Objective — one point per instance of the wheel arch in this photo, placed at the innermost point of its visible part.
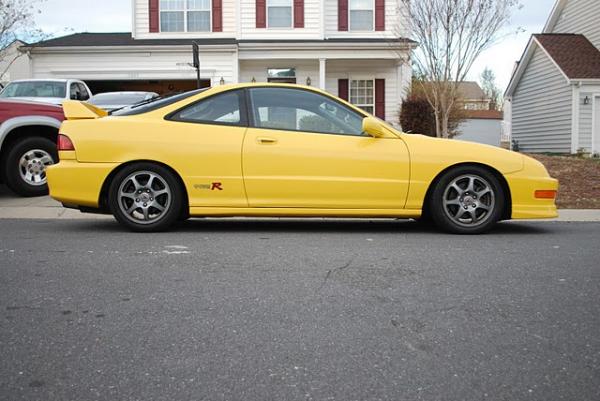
(103, 197)
(507, 212)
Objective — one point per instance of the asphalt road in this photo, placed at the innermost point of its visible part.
(287, 310)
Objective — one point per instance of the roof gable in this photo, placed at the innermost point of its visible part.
(574, 54)
(557, 10)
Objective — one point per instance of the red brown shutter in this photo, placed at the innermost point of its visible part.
(153, 8)
(342, 15)
(343, 89)
(217, 15)
(380, 98)
(298, 13)
(380, 15)
(261, 13)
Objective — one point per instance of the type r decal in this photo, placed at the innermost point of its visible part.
(213, 186)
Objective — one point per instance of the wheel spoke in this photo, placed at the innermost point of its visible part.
(158, 207)
(132, 209)
(483, 192)
(145, 211)
(136, 183)
(47, 160)
(471, 186)
(458, 189)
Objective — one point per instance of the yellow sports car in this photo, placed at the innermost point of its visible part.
(283, 150)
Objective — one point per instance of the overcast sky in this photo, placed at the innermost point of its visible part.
(115, 16)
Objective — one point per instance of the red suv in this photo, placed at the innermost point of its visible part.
(28, 133)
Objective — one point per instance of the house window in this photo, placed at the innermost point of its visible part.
(361, 15)
(279, 13)
(281, 75)
(362, 94)
(185, 15)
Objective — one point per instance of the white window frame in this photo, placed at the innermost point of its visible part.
(280, 27)
(360, 106)
(185, 11)
(350, 18)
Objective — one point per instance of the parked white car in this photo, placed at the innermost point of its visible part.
(53, 91)
(111, 101)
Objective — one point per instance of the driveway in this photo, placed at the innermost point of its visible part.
(298, 310)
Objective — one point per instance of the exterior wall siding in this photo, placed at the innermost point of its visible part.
(580, 16)
(135, 65)
(542, 107)
(311, 30)
(488, 132)
(365, 69)
(586, 113)
(141, 28)
(396, 22)
(13, 65)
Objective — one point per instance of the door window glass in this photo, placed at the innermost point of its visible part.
(302, 110)
(223, 108)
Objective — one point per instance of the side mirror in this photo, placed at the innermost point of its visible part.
(373, 127)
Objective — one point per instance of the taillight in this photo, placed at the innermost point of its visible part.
(64, 143)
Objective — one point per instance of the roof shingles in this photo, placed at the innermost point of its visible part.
(575, 55)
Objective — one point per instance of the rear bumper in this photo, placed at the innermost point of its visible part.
(524, 203)
(78, 184)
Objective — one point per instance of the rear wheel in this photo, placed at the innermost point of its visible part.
(25, 166)
(467, 200)
(146, 197)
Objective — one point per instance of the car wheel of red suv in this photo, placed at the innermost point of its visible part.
(26, 163)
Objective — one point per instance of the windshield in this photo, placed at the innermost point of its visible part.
(35, 89)
(155, 104)
(117, 99)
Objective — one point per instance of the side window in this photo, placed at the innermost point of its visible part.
(302, 110)
(224, 108)
(84, 95)
(73, 91)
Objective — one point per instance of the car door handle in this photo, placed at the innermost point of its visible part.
(266, 141)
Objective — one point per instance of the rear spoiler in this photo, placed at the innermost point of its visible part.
(75, 110)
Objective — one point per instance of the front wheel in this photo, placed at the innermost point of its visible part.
(146, 197)
(467, 200)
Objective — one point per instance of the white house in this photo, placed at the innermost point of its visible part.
(13, 63)
(554, 94)
(356, 49)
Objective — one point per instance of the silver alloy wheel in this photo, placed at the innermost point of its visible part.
(144, 197)
(32, 166)
(469, 200)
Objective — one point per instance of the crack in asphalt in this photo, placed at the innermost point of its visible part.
(336, 270)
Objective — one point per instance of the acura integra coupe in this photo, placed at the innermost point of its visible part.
(283, 150)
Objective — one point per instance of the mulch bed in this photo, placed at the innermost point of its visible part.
(579, 180)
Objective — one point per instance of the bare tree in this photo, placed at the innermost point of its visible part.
(491, 90)
(452, 34)
(17, 23)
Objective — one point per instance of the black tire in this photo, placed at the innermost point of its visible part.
(164, 191)
(472, 210)
(29, 180)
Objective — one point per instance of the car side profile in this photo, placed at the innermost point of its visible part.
(283, 150)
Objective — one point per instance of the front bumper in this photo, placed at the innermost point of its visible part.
(78, 184)
(524, 203)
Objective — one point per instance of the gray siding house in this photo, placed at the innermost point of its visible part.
(553, 99)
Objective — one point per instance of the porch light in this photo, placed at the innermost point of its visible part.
(253, 80)
(586, 100)
(222, 81)
(308, 81)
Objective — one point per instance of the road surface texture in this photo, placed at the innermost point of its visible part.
(298, 310)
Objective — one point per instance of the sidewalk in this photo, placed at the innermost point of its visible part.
(13, 207)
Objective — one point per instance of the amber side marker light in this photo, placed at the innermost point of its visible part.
(545, 194)
(64, 143)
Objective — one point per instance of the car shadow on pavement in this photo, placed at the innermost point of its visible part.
(317, 225)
